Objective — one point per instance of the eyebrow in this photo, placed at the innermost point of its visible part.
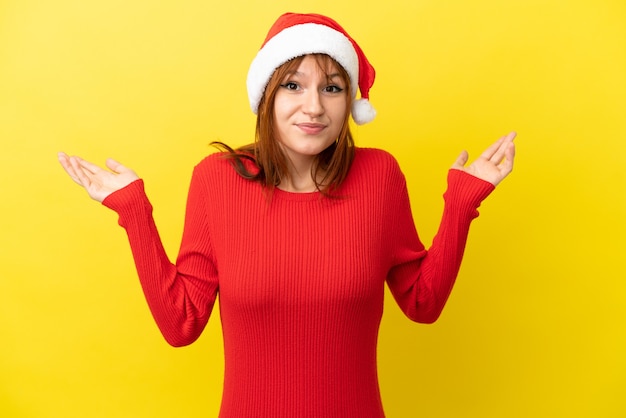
(301, 74)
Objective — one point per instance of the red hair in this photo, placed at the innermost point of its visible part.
(272, 163)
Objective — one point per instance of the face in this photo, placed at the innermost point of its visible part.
(310, 109)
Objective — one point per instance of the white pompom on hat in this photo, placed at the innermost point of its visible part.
(294, 35)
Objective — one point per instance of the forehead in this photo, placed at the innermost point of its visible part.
(318, 64)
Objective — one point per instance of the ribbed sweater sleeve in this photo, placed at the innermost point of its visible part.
(180, 296)
(421, 280)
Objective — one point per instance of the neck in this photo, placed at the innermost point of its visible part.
(299, 181)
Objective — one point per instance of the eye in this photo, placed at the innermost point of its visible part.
(332, 89)
(290, 85)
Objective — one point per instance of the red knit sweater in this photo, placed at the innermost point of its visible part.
(300, 278)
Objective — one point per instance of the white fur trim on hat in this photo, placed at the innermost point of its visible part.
(295, 41)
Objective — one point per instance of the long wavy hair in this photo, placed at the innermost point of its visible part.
(271, 164)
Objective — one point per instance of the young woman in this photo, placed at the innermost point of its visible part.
(298, 233)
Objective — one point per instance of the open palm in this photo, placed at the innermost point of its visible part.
(494, 164)
(97, 181)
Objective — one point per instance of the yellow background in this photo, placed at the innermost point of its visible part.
(536, 326)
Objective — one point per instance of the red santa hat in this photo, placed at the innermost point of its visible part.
(294, 35)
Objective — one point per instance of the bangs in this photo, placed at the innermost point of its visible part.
(326, 65)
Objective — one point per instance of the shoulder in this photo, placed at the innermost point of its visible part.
(374, 156)
(374, 172)
(219, 164)
(376, 162)
(218, 172)
(214, 171)
(215, 161)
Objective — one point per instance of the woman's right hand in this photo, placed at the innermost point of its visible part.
(98, 182)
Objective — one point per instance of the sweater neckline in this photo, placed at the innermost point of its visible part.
(296, 196)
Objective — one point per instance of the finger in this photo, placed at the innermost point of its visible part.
(509, 156)
(115, 166)
(81, 173)
(503, 144)
(492, 149)
(88, 166)
(500, 153)
(64, 160)
(461, 160)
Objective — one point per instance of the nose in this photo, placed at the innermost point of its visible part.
(312, 103)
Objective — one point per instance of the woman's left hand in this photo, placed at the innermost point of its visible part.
(494, 164)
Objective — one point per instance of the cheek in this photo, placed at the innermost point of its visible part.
(283, 109)
(279, 111)
(342, 107)
(340, 113)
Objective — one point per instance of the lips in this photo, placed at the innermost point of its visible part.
(311, 128)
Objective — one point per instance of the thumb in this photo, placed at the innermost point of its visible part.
(461, 160)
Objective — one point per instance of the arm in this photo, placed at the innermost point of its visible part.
(180, 296)
(421, 280)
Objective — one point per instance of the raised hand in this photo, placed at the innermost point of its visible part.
(494, 164)
(98, 182)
